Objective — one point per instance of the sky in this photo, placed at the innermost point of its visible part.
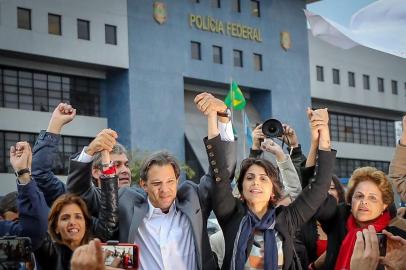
(339, 11)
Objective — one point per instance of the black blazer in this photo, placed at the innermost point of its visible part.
(230, 211)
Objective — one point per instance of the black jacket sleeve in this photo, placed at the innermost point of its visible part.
(79, 182)
(44, 155)
(255, 153)
(47, 254)
(106, 225)
(314, 194)
(298, 160)
(222, 166)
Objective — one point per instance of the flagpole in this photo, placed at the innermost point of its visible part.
(232, 98)
(232, 111)
(245, 130)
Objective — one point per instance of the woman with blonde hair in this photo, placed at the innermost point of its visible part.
(368, 196)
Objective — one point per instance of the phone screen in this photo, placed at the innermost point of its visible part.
(382, 248)
(16, 249)
(381, 243)
(122, 255)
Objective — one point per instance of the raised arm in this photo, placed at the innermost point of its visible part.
(290, 138)
(32, 208)
(314, 146)
(107, 223)
(397, 167)
(80, 174)
(223, 202)
(294, 149)
(45, 152)
(215, 186)
(289, 176)
(216, 142)
(314, 194)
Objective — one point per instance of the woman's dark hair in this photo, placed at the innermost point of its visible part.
(339, 188)
(270, 170)
(59, 203)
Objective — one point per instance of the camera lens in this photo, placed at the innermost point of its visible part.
(272, 128)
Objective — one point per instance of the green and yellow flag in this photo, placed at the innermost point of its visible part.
(235, 97)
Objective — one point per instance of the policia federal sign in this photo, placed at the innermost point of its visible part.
(237, 30)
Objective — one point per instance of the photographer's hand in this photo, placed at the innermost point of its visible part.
(270, 146)
(395, 252)
(257, 137)
(62, 115)
(289, 136)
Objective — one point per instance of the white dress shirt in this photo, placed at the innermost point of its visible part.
(166, 240)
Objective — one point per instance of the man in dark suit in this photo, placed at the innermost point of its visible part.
(166, 218)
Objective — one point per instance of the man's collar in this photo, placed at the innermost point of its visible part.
(152, 210)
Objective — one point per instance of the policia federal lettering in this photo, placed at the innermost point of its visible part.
(210, 24)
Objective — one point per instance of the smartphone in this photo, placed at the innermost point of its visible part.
(381, 243)
(15, 251)
(126, 254)
(382, 248)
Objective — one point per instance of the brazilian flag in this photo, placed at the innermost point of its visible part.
(235, 97)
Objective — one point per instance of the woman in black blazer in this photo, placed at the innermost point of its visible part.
(257, 234)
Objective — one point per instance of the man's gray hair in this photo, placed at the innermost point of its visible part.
(118, 149)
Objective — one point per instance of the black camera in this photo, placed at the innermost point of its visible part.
(272, 128)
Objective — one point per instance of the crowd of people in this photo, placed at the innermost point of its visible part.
(292, 213)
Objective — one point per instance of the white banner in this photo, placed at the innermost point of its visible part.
(380, 26)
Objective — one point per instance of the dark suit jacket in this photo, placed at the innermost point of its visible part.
(193, 200)
(33, 215)
(230, 211)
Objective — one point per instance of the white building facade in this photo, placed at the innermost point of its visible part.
(365, 91)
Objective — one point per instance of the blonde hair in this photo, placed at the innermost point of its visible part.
(375, 176)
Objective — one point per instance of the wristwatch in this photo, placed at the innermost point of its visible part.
(22, 171)
(226, 113)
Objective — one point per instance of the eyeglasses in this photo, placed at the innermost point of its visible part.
(361, 197)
